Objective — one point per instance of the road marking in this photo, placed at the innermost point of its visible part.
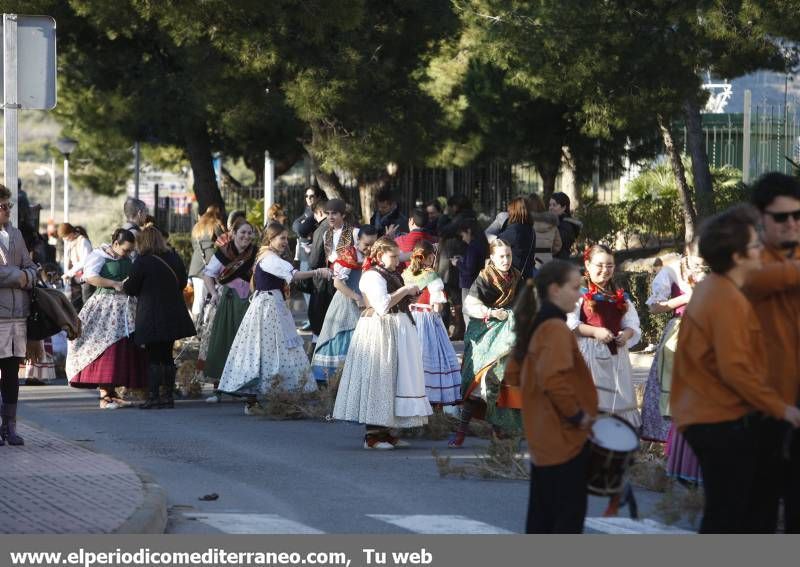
(629, 526)
(253, 524)
(439, 524)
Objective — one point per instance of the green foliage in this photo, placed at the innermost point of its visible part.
(646, 221)
(658, 180)
(182, 243)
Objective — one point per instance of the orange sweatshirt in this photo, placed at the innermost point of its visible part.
(719, 373)
(556, 385)
(774, 292)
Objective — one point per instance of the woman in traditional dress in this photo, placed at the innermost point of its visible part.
(487, 344)
(267, 352)
(439, 360)
(607, 325)
(383, 383)
(344, 310)
(671, 292)
(104, 356)
(227, 277)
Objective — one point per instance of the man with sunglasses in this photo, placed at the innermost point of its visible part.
(304, 227)
(774, 292)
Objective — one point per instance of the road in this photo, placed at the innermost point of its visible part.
(286, 476)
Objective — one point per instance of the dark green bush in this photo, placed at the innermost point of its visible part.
(637, 284)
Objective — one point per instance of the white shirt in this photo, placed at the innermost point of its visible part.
(94, 262)
(77, 251)
(373, 286)
(4, 238)
(277, 266)
(661, 288)
(630, 320)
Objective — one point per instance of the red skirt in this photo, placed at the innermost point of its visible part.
(122, 364)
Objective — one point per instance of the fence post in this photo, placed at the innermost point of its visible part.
(746, 137)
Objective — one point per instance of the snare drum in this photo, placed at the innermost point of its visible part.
(613, 443)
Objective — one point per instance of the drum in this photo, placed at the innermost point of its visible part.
(613, 443)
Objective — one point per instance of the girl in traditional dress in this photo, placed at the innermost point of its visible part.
(227, 277)
(383, 383)
(439, 360)
(671, 291)
(487, 344)
(105, 356)
(607, 325)
(344, 310)
(267, 345)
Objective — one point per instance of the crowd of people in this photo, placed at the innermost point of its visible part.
(546, 341)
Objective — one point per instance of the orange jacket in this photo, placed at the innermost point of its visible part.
(774, 292)
(556, 385)
(719, 373)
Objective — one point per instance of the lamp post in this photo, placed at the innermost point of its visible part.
(66, 146)
(52, 172)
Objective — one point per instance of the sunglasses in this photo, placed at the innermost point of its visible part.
(783, 217)
(6, 206)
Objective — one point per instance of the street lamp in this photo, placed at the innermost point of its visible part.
(66, 146)
(52, 172)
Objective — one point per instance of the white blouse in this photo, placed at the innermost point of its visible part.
(341, 272)
(214, 268)
(95, 262)
(436, 290)
(373, 287)
(277, 266)
(630, 320)
(661, 288)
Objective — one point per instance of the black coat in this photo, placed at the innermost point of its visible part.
(522, 239)
(161, 314)
(323, 290)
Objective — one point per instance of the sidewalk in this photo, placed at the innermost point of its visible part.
(51, 485)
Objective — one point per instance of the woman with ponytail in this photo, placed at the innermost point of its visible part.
(104, 356)
(383, 384)
(439, 360)
(488, 343)
(266, 344)
(607, 325)
(559, 401)
(345, 308)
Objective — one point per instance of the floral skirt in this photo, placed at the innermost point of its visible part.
(266, 355)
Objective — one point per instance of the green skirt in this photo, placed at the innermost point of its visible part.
(487, 347)
(230, 312)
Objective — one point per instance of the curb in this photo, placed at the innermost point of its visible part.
(151, 516)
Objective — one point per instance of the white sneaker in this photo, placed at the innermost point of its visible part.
(380, 445)
(214, 399)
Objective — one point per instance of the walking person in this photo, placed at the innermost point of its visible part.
(439, 360)
(345, 308)
(719, 381)
(77, 248)
(304, 226)
(105, 356)
(519, 234)
(205, 232)
(383, 383)
(559, 401)
(157, 279)
(545, 225)
(17, 276)
(774, 292)
(487, 344)
(607, 326)
(469, 265)
(568, 226)
(227, 277)
(266, 344)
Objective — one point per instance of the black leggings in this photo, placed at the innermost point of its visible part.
(9, 379)
(160, 353)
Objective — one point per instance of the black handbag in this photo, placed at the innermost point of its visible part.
(40, 325)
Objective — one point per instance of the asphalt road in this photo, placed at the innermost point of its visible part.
(288, 476)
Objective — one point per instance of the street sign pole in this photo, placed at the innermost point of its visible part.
(269, 187)
(10, 110)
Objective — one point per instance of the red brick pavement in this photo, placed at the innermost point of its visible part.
(53, 486)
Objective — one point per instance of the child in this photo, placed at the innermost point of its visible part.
(439, 360)
(607, 325)
(383, 384)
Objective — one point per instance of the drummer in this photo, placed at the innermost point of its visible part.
(559, 401)
(719, 374)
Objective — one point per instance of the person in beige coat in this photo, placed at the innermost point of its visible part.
(17, 276)
(545, 226)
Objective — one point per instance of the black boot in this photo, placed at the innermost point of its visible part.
(155, 373)
(8, 430)
(170, 373)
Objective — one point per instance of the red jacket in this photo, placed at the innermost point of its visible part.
(407, 242)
